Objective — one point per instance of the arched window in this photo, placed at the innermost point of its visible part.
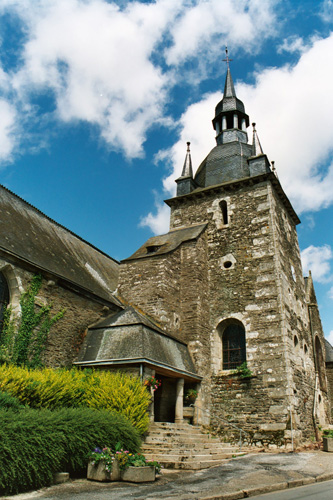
(320, 363)
(4, 298)
(224, 210)
(233, 344)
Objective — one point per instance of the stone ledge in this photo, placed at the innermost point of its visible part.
(251, 492)
(324, 477)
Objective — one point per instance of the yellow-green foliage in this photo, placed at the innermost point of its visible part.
(49, 388)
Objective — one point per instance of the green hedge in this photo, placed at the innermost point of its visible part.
(8, 401)
(54, 389)
(34, 444)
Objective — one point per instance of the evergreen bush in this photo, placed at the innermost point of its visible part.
(53, 389)
(34, 444)
(8, 401)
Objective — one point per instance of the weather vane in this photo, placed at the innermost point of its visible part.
(227, 60)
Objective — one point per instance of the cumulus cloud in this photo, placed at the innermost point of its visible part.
(111, 64)
(330, 337)
(158, 222)
(318, 261)
(326, 11)
(8, 130)
(204, 27)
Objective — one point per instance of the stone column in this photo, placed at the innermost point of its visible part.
(179, 401)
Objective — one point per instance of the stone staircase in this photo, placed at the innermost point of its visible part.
(183, 446)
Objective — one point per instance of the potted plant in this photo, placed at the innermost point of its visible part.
(328, 440)
(153, 383)
(135, 468)
(190, 396)
(100, 464)
(120, 465)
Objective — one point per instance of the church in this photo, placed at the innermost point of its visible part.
(218, 305)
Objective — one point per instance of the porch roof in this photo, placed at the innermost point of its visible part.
(128, 338)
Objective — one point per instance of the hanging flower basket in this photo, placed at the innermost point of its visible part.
(152, 382)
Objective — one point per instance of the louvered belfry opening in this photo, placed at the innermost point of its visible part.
(4, 298)
(234, 347)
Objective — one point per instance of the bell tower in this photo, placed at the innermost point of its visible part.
(255, 291)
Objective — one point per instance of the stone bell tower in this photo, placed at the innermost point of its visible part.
(257, 307)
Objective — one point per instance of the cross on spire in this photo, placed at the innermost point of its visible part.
(227, 60)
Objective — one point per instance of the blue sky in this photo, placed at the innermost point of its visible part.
(98, 99)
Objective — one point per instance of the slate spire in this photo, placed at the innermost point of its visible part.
(256, 146)
(230, 121)
(229, 89)
(187, 168)
(186, 183)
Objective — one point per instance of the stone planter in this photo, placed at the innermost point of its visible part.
(138, 474)
(98, 472)
(328, 444)
(188, 413)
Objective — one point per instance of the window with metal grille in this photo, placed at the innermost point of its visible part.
(234, 347)
(4, 298)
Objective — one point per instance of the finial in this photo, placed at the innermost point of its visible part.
(227, 60)
(274, 169)
(188, 147)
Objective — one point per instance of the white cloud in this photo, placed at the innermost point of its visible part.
(8, 130)
(292, 44)
(329, 337)
(318, 261)
(326, 11)
(295, 128)
(96, 60)
(102, 60)
(158, 222)
(330, 293)
(204, 28)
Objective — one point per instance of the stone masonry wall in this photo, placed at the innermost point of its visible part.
(152, 285)
(259, 243)
(67, 334)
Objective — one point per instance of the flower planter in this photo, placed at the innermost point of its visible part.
(97, 472)
(188, 413)
(138, 474)
(328, 444)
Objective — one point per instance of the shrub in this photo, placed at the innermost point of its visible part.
(34, 444)
(8, 401)
(53, 389)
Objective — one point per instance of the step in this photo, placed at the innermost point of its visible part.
(218, 448)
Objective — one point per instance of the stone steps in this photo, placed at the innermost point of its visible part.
(183, 446)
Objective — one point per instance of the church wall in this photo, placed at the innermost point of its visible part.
(329, 374)
(67, 334)
(152, 285)
(259, 243)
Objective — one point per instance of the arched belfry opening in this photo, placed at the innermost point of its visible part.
(4, 298)
(232, 334)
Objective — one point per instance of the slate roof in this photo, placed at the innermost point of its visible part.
(165, 243)
(129, 337)
(329, 352)
(31, 236)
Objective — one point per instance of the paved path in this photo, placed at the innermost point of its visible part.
(317, 491)
(238, 478)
